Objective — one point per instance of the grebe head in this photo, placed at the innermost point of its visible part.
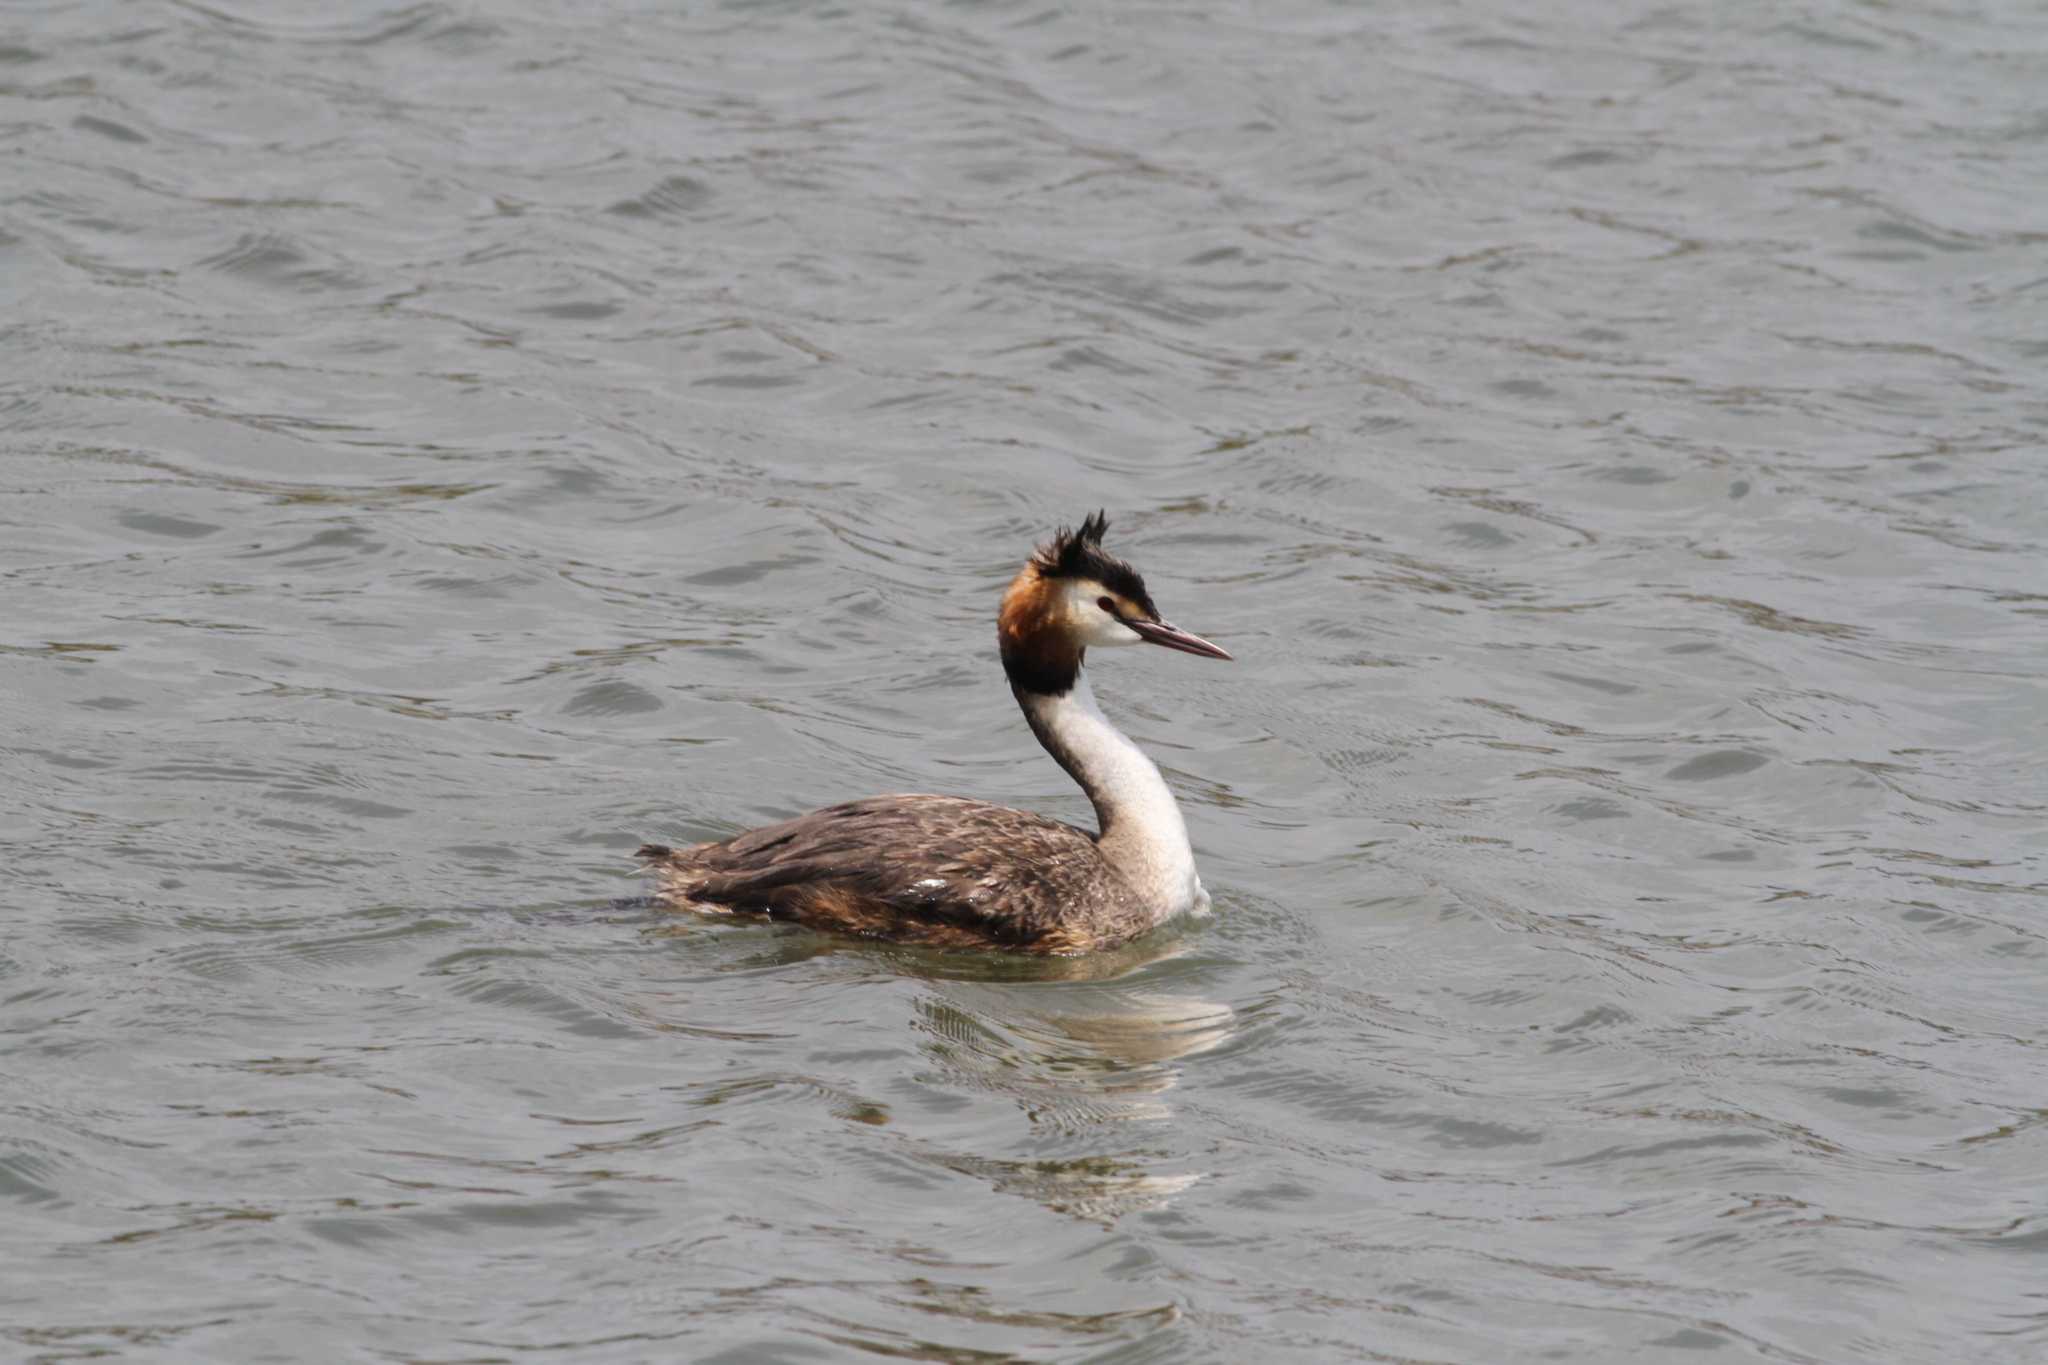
(1073, 594)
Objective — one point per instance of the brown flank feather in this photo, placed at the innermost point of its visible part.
(962, 874)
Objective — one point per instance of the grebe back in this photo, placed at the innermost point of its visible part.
(950, 872)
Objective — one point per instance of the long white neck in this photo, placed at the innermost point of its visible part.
(1143, 836)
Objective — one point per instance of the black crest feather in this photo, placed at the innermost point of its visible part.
(1079, 554)
(1066, 555)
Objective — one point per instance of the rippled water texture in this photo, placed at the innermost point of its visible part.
(444, 445)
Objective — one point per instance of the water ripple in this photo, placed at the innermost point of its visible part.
(447, 449)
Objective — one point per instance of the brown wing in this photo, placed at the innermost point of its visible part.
(931, 869)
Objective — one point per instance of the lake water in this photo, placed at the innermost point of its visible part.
(445, 445)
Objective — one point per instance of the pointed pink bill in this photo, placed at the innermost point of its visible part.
(1173, 637)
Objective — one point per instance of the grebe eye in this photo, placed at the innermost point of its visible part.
(1106, 604)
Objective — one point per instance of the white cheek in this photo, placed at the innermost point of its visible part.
(1100, 630)
(1096, 627)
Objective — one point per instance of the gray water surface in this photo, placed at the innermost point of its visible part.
(444, 445)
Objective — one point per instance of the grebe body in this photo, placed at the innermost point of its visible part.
(957, 873)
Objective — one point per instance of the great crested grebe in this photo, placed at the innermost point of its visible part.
(954, 873)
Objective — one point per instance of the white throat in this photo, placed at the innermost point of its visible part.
(1143, 836)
